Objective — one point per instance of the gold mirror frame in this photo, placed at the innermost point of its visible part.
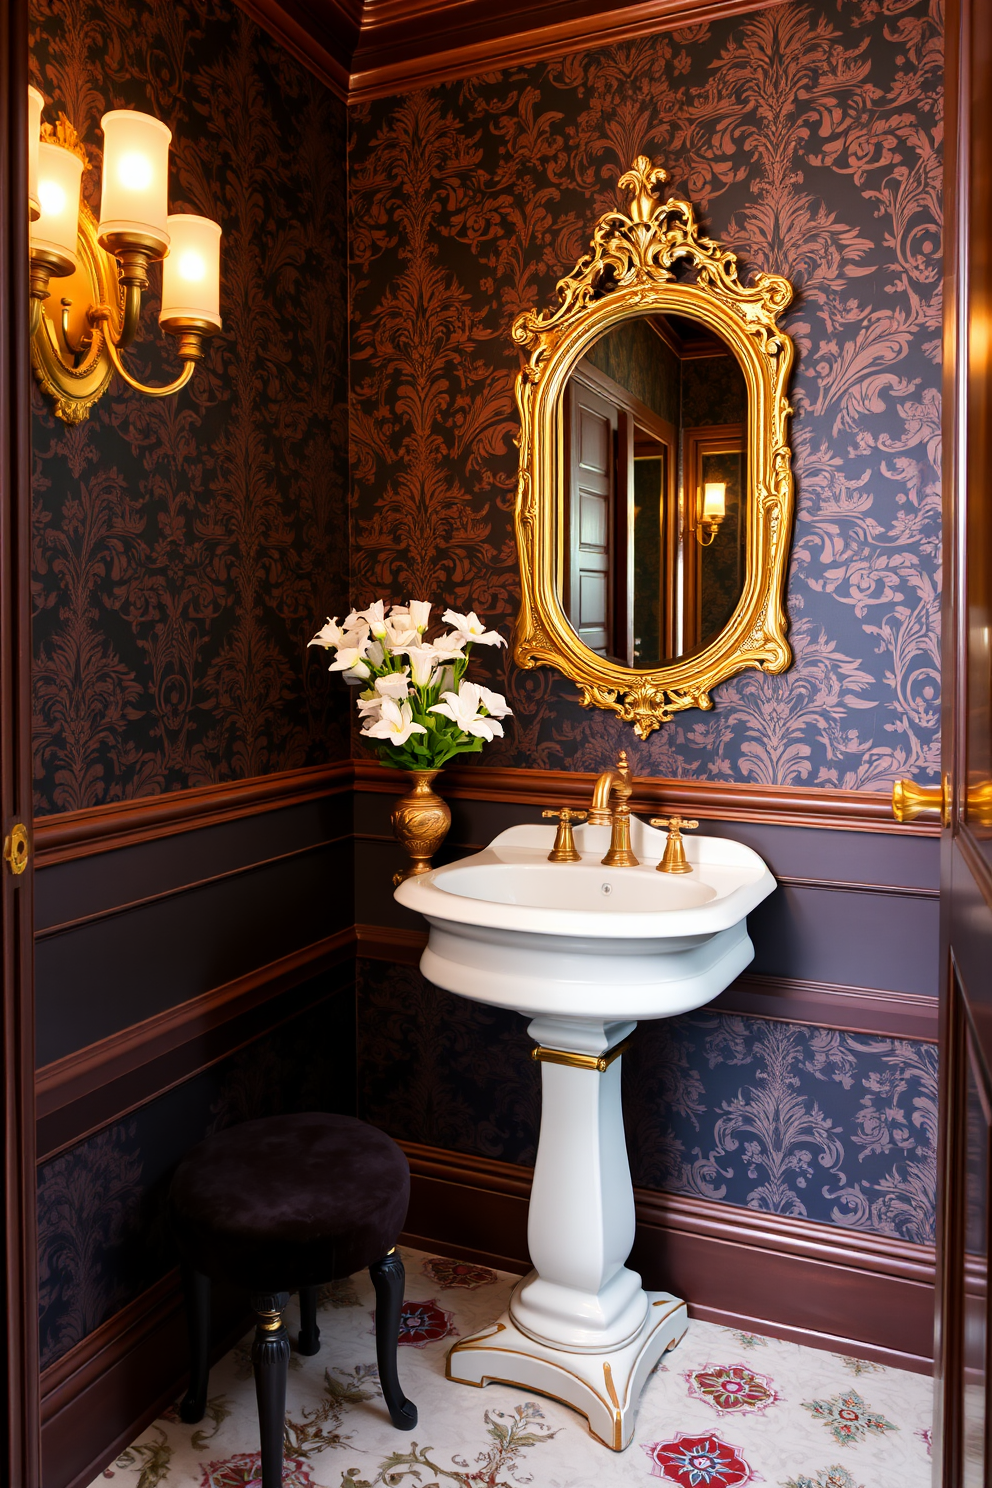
(628, 273)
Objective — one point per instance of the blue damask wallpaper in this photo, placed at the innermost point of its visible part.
(808, 136)
(782, 1117)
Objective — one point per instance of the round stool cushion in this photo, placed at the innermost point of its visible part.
(290, 1201)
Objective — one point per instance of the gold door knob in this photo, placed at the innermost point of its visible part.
(910, 801)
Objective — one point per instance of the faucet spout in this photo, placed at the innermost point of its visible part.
(599, 811)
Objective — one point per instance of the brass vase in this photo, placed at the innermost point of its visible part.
(420, 823)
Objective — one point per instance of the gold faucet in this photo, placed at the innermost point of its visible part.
(564, 850)
(674, 860)
(615, 782)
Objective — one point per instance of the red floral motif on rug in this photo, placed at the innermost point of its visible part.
(422, 1323)
(449, 1273)
(245, 1471)
(699, 1462)
(731, 1387)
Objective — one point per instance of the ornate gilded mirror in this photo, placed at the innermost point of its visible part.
(654, 503)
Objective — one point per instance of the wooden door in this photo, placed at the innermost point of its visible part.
(962, 1446)
(19, 1434)
(593, 423)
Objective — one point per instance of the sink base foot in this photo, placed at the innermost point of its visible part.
(605, 1388)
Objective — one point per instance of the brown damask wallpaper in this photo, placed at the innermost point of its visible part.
(184, 547)
(808, 136)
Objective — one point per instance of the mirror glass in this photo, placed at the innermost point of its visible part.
(653, 492)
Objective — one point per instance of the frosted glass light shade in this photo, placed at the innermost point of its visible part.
(714, 500)
(134, 200)
(191, 273)
(35, 105)
(55, 232)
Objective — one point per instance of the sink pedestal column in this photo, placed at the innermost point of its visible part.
(580, 1327)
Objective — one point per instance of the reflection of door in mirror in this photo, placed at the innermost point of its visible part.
(654, 415)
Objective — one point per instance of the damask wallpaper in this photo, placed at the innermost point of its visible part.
(184, 547)
(782, 1117)
(808, 136)
(103, 1236)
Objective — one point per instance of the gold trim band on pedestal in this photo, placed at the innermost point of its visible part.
(597, 1062)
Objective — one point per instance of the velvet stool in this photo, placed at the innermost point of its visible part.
(288, 1204)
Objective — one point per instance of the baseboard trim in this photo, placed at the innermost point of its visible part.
(102, 1394)
(831, 1288)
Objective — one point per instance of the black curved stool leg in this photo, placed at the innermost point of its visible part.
(196, 1289)
(270, 1364)
(388, 1277)
(309, 1339)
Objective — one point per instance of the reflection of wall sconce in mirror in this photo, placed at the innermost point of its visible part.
(103, 266)
(714, 509)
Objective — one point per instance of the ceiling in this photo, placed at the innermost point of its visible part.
(365, 50)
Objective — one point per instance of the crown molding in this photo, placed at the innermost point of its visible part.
(408, 44)
(394, 46)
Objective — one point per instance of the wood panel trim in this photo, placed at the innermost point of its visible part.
(85, 1071)
(850, 811)
(909, 1015)
(174, 891)
(476, 1207)
(98, 829)
(407, 44)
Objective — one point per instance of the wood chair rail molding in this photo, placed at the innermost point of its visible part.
(97, 829)
(793, 806)
(370, 50)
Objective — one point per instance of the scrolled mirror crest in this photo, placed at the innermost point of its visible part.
(651, 262)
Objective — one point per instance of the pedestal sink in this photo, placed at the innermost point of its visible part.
(584, 952)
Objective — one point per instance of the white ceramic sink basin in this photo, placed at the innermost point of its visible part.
(584, 951)
(581, 940)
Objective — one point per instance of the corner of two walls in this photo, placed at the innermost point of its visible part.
(182, 549)
(808, 137)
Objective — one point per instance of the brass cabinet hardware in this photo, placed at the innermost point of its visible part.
(564, 850)
(911, 801)
(674, 860)
(16, 851)
(597, 1062)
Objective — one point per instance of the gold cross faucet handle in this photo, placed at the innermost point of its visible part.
(564, 848)
(674, 860)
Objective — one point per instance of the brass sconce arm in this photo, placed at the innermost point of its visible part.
(190, 350)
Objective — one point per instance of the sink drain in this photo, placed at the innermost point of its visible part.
(606, 888)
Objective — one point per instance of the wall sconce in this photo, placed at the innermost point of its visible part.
(714, 510)
(103, 266)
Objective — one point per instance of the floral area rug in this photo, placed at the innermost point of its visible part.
(724, 1409)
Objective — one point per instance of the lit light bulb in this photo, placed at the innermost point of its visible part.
(52, 197)
(135, 172)
(191, 267)
(714, 501)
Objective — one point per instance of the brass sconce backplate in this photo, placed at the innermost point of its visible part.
(631, 273)
(68, 353)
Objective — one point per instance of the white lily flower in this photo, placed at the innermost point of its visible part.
(375, 618)
(330, 636)
(472, 628)
(419, 612)
(355, 621)
(349, 657)
(494, 703)
(395, 685)
(423, 661)
(445, 679)
(360, 672)
(399, 634)
(450, 645)
(395, 723)
(462, 707)
(369, 707)
(374, 653)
